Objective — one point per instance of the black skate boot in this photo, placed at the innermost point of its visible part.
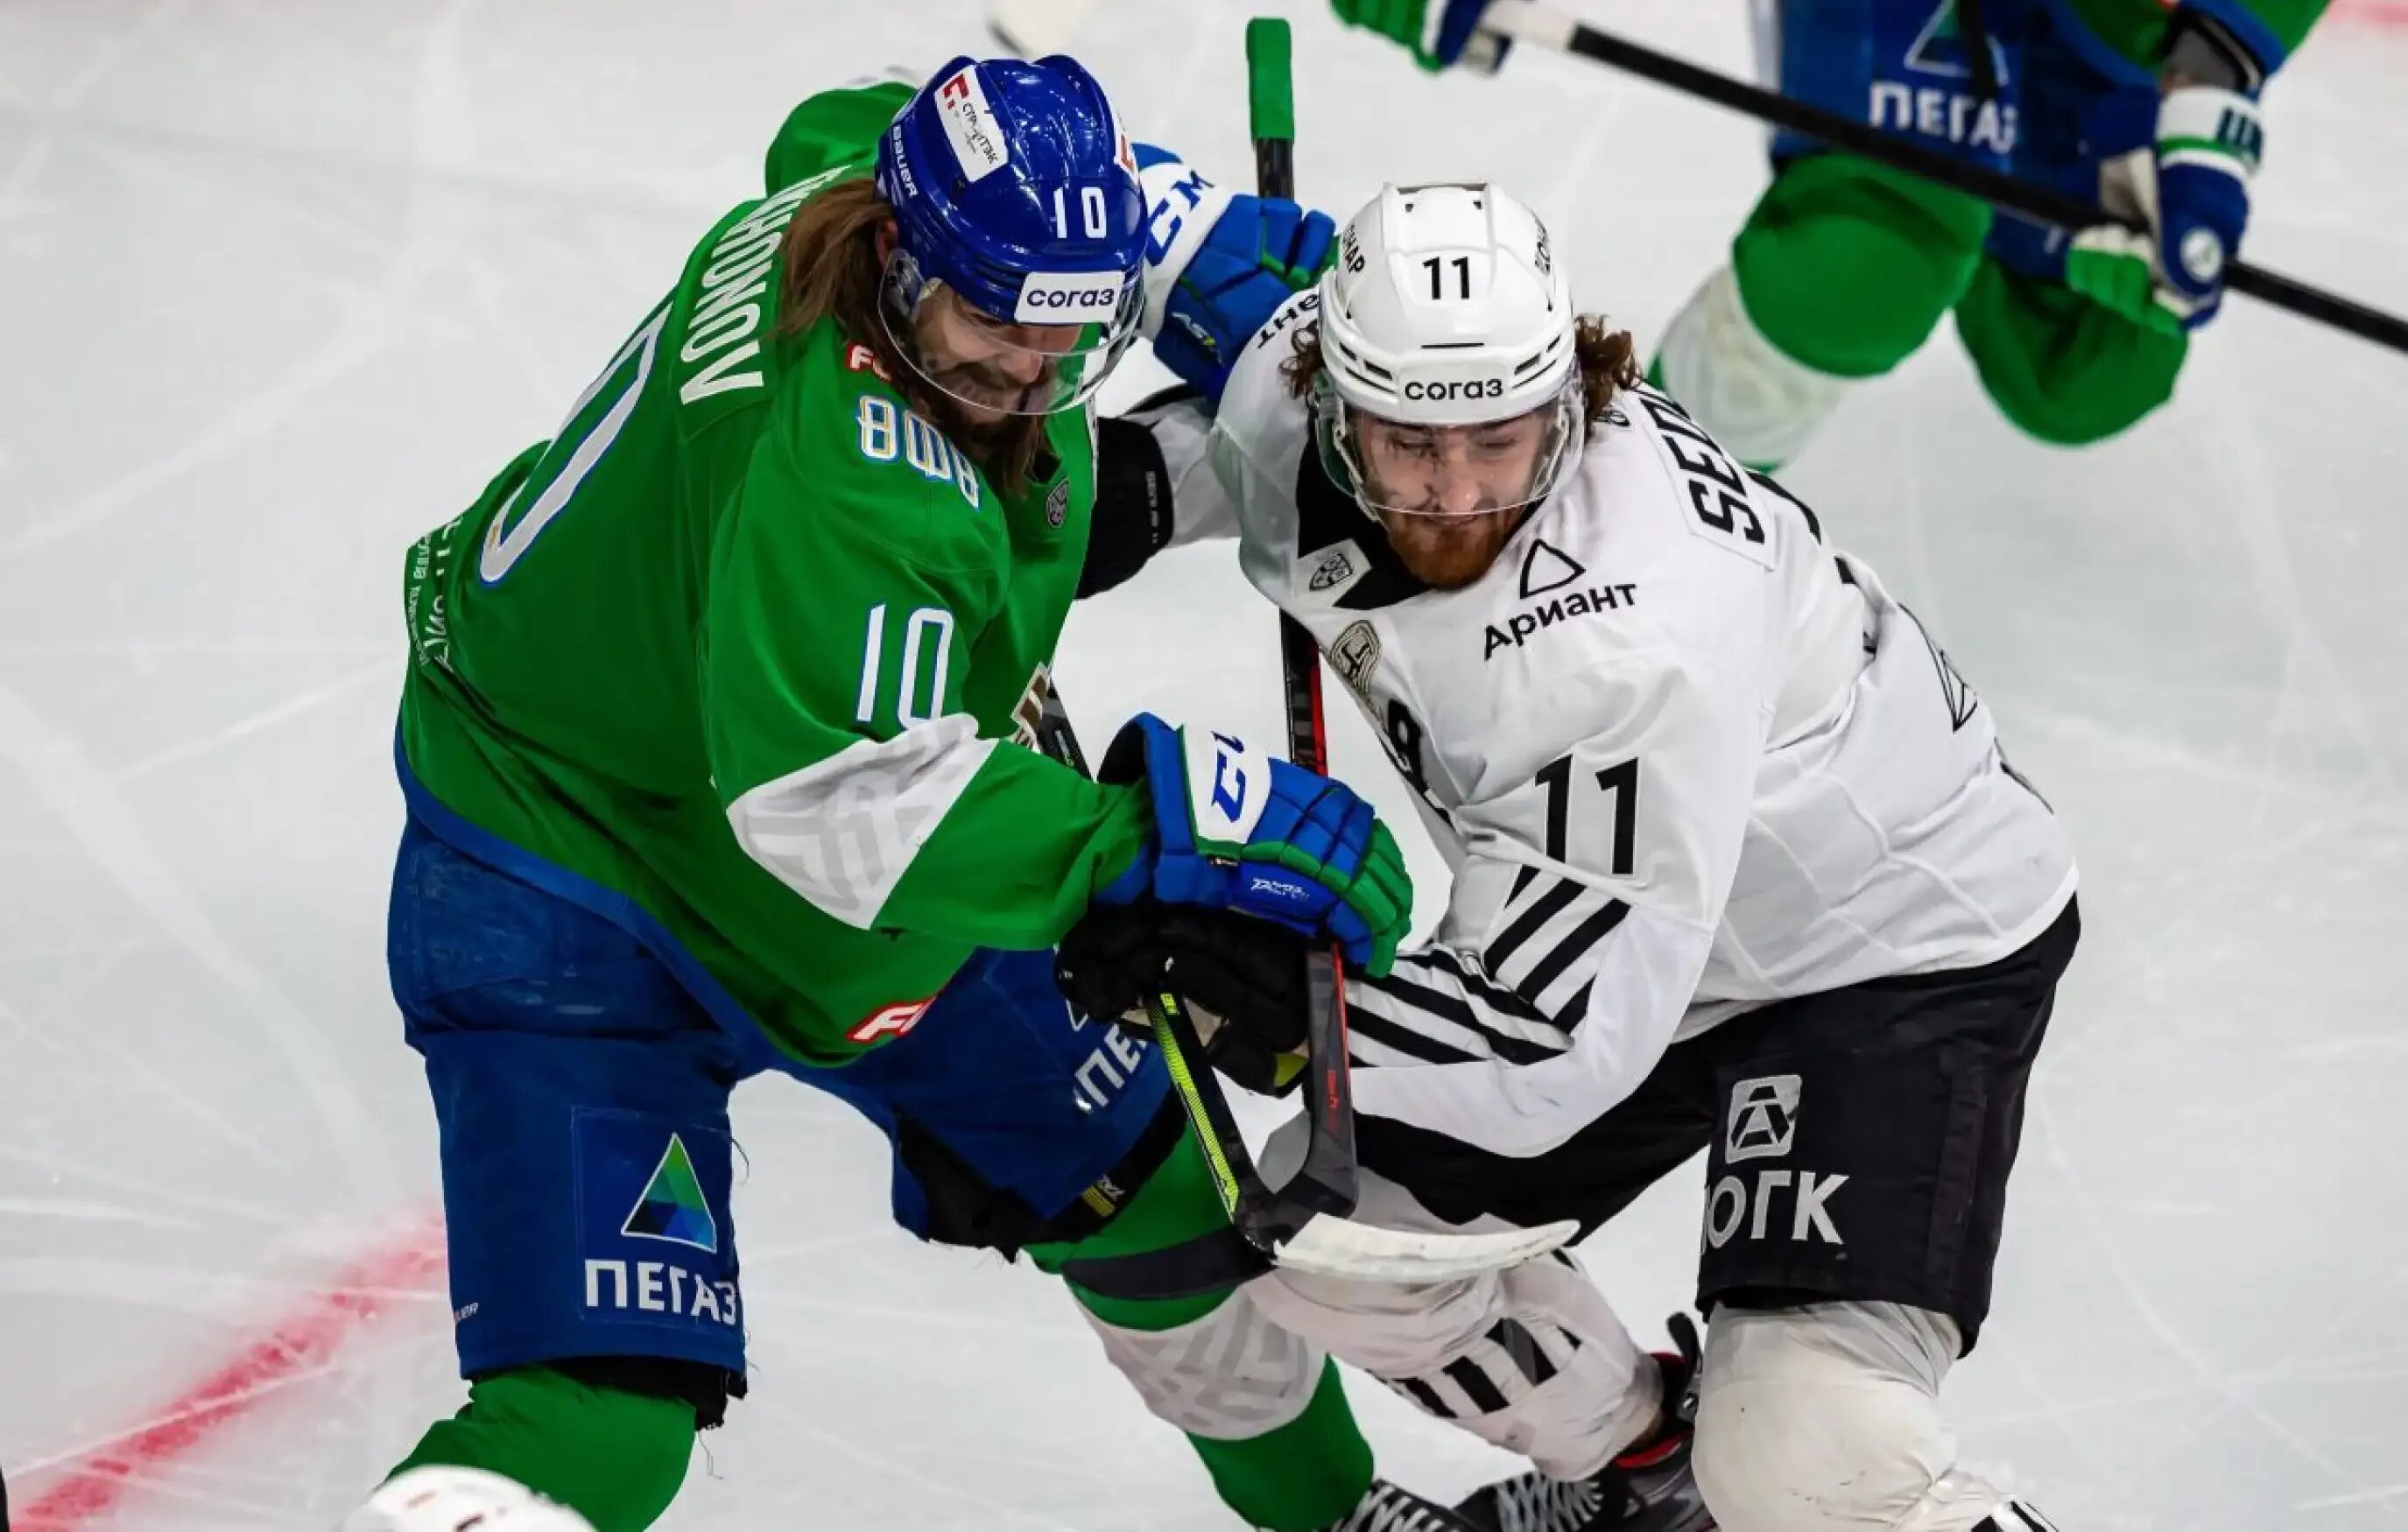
(1393, 1507)
(1649, 1488)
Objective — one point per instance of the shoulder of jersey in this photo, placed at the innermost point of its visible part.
(1660, 461)
(1257, 406)
(1621, 534)
(728, 355)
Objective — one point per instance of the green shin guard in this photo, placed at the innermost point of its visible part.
(1293, 1477)
(1845, 266)
(2064, 369)
(614, 1457)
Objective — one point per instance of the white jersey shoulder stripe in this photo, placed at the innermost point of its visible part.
(842, 831)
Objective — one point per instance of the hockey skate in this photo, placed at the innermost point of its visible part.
(1393, 1507)
(1648, 1488)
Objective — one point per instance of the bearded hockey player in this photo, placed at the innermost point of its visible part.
(1844, 268)
(708, 747)
(1738, 865)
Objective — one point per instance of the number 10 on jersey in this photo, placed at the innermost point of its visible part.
(919, 684)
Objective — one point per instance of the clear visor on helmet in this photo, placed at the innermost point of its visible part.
(997, 364)
(1476, 468)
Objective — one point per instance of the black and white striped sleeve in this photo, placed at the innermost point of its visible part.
(1518, 1001)
(1578, 926)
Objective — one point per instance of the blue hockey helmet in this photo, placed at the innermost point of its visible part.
(1015, 281)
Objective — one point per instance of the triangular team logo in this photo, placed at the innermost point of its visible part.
(1547, 569)
(1939, 48)
(673, 1207)
(1962, 700)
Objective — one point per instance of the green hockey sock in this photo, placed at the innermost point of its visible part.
(1293, 1477)
(614, 1457)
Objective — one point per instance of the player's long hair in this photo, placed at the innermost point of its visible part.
(833, 266)
(1609, 363)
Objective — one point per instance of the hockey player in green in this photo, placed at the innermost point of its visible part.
(1844, 268)
(708, 746)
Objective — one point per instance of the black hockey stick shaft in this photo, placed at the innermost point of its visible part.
(1263, 1216)
(1328, 1180)
(1539, 26)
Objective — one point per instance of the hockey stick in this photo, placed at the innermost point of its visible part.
(1266, 1226)
(1525, 22)
(1328, 1178)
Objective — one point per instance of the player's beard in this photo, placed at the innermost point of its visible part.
(1448, 553)
(1003, 446)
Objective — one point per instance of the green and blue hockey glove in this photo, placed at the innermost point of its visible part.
(2192, 186)
(1237, 829)
(1218, 264)
(1436, 32)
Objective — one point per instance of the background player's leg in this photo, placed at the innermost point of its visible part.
(583, 1101)
(2064, 368)
(1843, 267)
(1018, 1124)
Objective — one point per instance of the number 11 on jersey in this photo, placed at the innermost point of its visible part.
(1621, 781)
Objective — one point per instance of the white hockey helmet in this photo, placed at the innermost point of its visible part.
(1445, 309)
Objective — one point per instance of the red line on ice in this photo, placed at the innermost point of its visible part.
(2377, 13)
(305, 1337)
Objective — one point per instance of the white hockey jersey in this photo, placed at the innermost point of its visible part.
(1686, 759)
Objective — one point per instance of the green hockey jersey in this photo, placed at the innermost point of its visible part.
(743, 644)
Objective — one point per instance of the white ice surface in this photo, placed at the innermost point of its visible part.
(283, 282)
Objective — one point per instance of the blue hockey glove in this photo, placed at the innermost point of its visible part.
(2192, 185)
(1438, 33)
(1237, 829)
(1218, 264)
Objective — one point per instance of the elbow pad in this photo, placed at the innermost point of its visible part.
(1132, 517)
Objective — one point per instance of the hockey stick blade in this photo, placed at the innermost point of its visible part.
(1341, 1247)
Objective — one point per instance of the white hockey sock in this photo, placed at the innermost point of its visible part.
(1759, 403)
(1827, 1419)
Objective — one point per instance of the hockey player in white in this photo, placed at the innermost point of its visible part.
(1738, 865)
